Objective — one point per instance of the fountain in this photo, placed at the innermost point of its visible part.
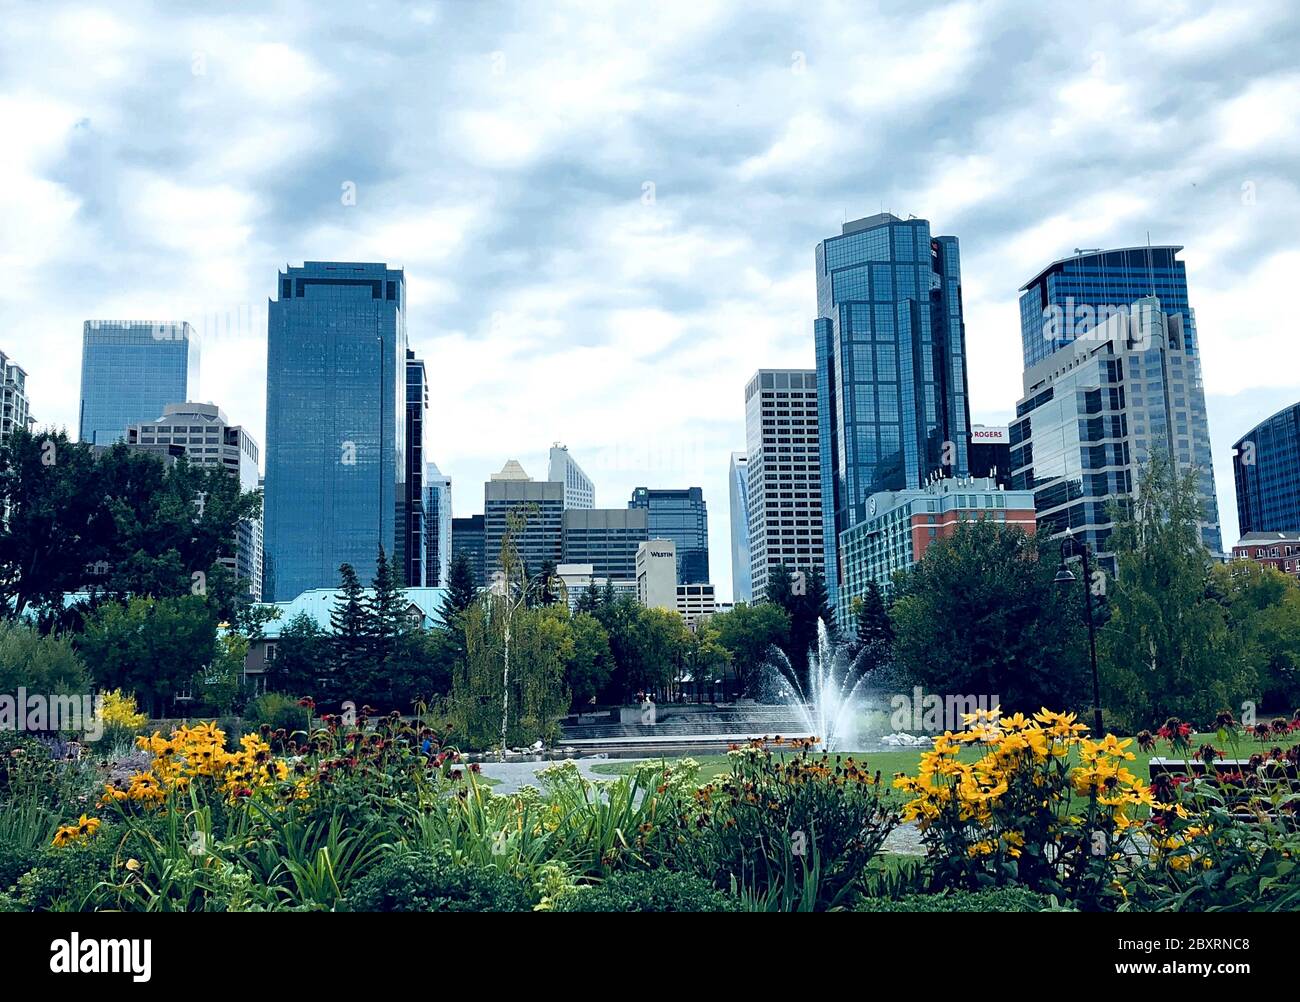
(831, 708)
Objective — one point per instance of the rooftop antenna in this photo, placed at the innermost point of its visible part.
(1151, 274)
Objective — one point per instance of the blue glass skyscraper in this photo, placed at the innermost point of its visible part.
(1266, 467)
(679, 514)
(335, 423)
(130, 371)
(891, 366)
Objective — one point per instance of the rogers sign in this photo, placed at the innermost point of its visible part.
(997, 436)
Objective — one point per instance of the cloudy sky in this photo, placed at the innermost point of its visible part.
(607, 211)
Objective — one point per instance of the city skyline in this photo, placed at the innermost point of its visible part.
(620, 319)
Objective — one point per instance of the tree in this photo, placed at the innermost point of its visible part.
(548, 585)
(302, 659)
(981, 616)
(46, 664)
(748, 633)
(351, 639)
(705, 658)
(589, 600)
(1263, 607)
(803, 595)
(1168, 649)
(588, 671)
(155, 648)
(873, 637)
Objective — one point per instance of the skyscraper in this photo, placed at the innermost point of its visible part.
(412, 555)
(335, 423)
(469, 537)
(784, 494)
(1097, 410)
(606, 538)
(891, 366)
(204, 434)
(578, 489)
(15, 408)
(130, 371)
(437, 525)
(1093, 295)
(679, 514)
(541, 502)
(737, 479)
(1266, 468)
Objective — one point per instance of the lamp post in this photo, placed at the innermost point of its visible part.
(1064, 578)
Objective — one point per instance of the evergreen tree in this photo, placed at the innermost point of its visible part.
(461, 590)
(873, 633)
(350, 624)
(548, 589)
(589, 600)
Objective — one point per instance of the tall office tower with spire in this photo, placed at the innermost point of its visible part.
(1112, 377)
(783, 492)
(738, 483)
(130, 371)
(891, 367)
(335, 423)
(579, 492)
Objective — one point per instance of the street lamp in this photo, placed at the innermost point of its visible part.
(1064, 578)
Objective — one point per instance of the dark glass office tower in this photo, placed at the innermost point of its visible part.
(1063, 301)
(679, 515)
(469, 536)
(412, 515)
(1266, 467)
(335, 423)
(891, 366)
(130, 371)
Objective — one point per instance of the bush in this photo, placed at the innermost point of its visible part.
(1002, 899)
(647, 891)
(278, 711)
(419, 884)
(64, 878)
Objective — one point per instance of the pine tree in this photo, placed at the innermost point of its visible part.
(462, 592)
(589, 600)
(349, 625)
(874, 633)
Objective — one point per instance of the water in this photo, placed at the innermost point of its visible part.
(832, 707)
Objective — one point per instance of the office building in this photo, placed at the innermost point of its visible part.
(579, 491)
(605, 538)
(784, 494)
(468, 537)
(893, 529)
(437, 525)
(1279, 550)
(738, 482)
(336, 455)
(695, 603)
(539, 503)
(679, 515)
(15, 408)
(1266, 469)
(204, 434)
(891, 367)
(1095, 412)
(989, 454)
(413, 552)
(656, 574)
(130, 371)
(578, 579)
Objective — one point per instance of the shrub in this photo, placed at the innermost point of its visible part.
(1001, 899)
(66, 878)
(278, 711)
(411, 883)
(122, 719)
(647, 891)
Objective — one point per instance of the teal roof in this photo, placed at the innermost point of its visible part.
(318, 602)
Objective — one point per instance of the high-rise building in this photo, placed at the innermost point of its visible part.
(204, 434)
(1076, 295)
(539, 502)
(15, 408)
(335, 423)
(469, 537)
(130, 371)
(412, 553)
(1266, 468)
(784, 494)
(895, 528)
(1097, 410)
(605, 538)
(990, 452)
(437, 525)
(679, 515)
(737, 479)
(891, 367)
(656, 574)
(579, 491)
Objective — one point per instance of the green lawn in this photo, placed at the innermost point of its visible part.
(907, 759)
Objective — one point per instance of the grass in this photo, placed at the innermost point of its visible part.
(908, 759)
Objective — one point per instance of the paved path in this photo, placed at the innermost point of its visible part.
(513, 776)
